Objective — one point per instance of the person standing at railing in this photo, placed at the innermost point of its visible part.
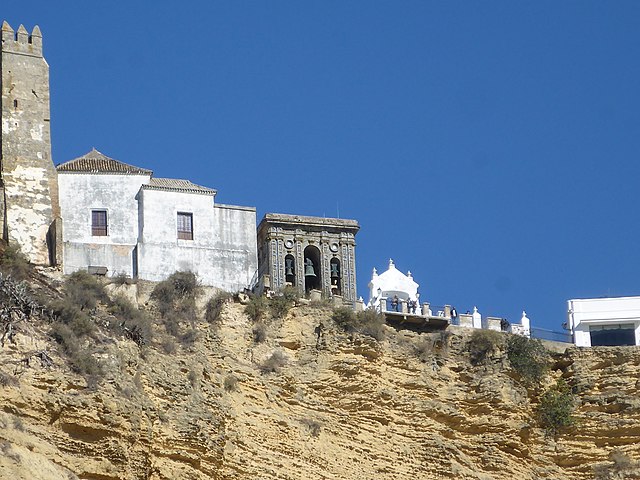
(395, 302)
(454, 315)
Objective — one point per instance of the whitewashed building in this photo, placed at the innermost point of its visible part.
(119, 219)
(604, 321)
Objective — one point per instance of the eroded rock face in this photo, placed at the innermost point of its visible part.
(337, 406)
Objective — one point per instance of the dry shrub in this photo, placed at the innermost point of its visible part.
(13, 262)
(313, 426)
(622, 466)
(7, 380)
(257, 308)
(176, 295)
(215, 306)
(367, 322)
(281, 303)
(175, 299)
(231, 383)
(483, 344)
(169, 346)
(274, 363)
(259, 332)
(131, 321)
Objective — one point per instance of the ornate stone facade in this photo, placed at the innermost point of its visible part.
(310, 253)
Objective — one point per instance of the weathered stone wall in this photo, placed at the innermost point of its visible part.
(28, 175)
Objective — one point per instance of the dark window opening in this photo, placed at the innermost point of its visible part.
(612, 335)
(15, 104)
(185, 226)
(99, 223)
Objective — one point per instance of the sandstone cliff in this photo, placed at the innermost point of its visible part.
(341, 406)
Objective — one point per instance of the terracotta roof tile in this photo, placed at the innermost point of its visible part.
(96, 162)
(177, 185)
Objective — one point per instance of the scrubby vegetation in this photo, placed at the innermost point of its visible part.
(367, 322)
(215, 305)
(74, 326)
(528, 357)
(175, 299)
(230, 383)
(257, 308)
(13, 262)
(555, 411)
(622, 466)
(483, 344)
(281, 303)
(274, 363)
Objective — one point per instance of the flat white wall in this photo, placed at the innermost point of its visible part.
(79, 195)
(236, 244)
(222, 252)
(602, 311)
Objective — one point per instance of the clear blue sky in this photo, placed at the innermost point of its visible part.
(489, 147)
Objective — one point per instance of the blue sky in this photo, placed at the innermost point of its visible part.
(489, 147)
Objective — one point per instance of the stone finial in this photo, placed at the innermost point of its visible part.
(6, 27)
(391, 264)
(36, 32)
(375, 272)
(409, 274)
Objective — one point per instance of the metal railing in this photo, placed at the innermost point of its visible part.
(554, 336)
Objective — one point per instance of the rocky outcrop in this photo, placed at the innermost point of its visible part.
(327, 405)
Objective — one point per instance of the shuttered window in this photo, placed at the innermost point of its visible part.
(99, 223)
(185, 226)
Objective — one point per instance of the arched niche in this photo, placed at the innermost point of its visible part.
(290, 270)
(312, 272)
(336, 275)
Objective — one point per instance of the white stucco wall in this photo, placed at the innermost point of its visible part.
(222, 252)
(236, 244)
(583, 313)
(81, 193)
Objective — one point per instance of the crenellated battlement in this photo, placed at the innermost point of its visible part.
(20, 41)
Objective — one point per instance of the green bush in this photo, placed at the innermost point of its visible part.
(484, 343)
(527, 357)
(555, 411)
(257, 308)
(13, 262)
(215, 306)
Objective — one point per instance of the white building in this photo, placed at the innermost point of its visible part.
(393, 283)
(119, 219)
(605, 321)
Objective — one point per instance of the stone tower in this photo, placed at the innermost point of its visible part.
(309, 253)
(29, 185)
